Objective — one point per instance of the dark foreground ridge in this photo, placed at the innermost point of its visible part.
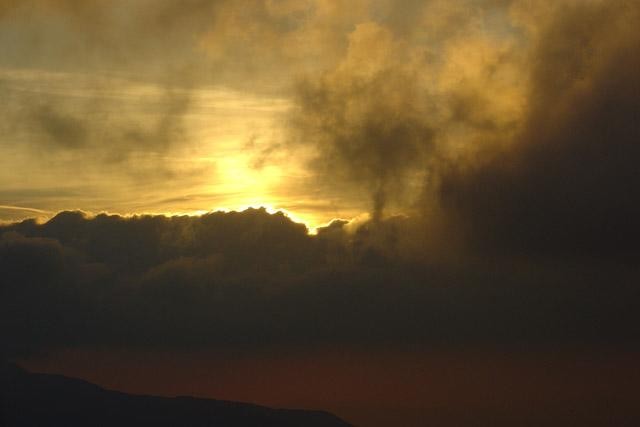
(30, 399)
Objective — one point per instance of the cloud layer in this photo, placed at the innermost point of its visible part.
(504, 132)
(257, 281)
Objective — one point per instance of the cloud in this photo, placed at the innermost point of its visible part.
(73, 116)
(503, 127)
(365, 120)
(252, 281)
(254, 44)
(100, 87)
(42, 304)
(404, 99)
(563, 183)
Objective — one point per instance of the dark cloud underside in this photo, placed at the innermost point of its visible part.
(257, 281)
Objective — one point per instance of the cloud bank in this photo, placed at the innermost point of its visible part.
(253, 281)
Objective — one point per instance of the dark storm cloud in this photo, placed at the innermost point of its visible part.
(256, 281)
(42, 304)
(567, 181)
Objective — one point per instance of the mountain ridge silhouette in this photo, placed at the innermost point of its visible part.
(36, 399)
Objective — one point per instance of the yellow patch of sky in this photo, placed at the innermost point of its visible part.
(212, 161)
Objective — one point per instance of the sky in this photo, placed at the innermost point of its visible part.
(187, 107)
(405, 212)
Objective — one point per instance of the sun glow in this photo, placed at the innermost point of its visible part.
(247, 186)
(306, 220)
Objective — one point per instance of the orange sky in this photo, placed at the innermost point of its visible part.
(379, 389)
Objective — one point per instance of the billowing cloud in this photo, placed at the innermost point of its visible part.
(564, 182)
(502, 126)
(367, 119)
(257, 281)
(404, 100)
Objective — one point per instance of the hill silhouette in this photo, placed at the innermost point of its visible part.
(34, 399)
